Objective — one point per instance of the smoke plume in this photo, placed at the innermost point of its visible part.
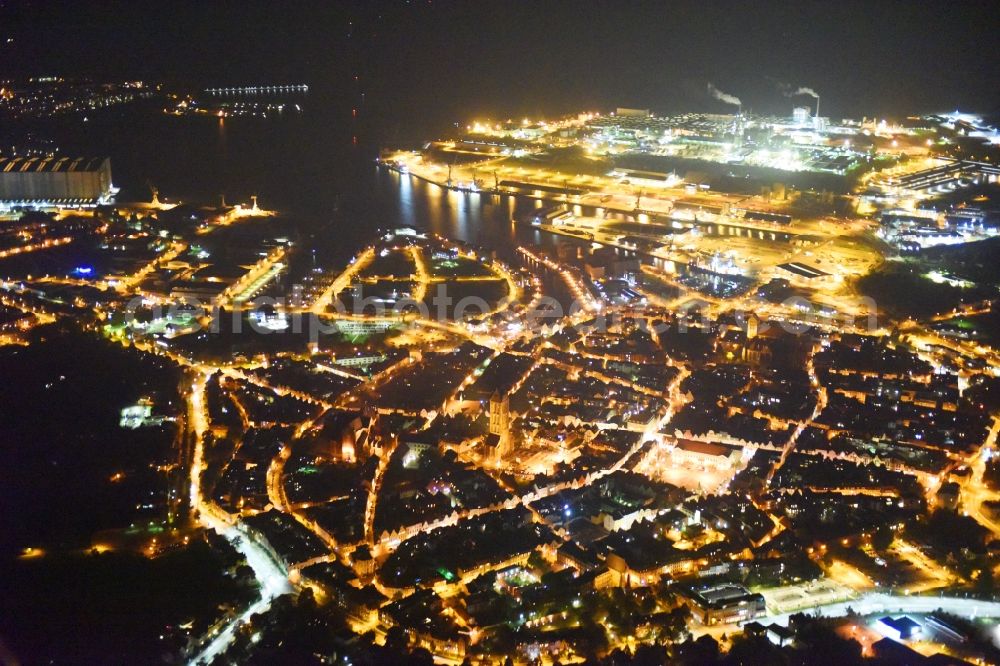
(803, 91)
(723, 97)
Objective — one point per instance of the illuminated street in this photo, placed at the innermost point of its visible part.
(614, 334)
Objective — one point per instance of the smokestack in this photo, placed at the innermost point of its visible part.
(806, 91)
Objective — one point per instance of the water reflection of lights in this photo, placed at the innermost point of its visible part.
(406, 201)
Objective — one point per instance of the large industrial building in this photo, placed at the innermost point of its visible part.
(55, 181)
(724, 603)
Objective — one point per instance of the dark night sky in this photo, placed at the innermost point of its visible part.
(457, 59)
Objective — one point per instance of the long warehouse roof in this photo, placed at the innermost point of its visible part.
(50, 164)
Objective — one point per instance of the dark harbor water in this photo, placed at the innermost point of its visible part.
(317, 166)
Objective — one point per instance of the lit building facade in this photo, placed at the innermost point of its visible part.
(55, 180)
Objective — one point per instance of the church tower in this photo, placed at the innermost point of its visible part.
(499, 439)
(499, 414)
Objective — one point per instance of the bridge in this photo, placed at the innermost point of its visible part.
(255, 90)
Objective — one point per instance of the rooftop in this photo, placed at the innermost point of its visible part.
(51, 164)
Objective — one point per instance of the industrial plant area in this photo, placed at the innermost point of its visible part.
(728, 204)
(563, 332)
